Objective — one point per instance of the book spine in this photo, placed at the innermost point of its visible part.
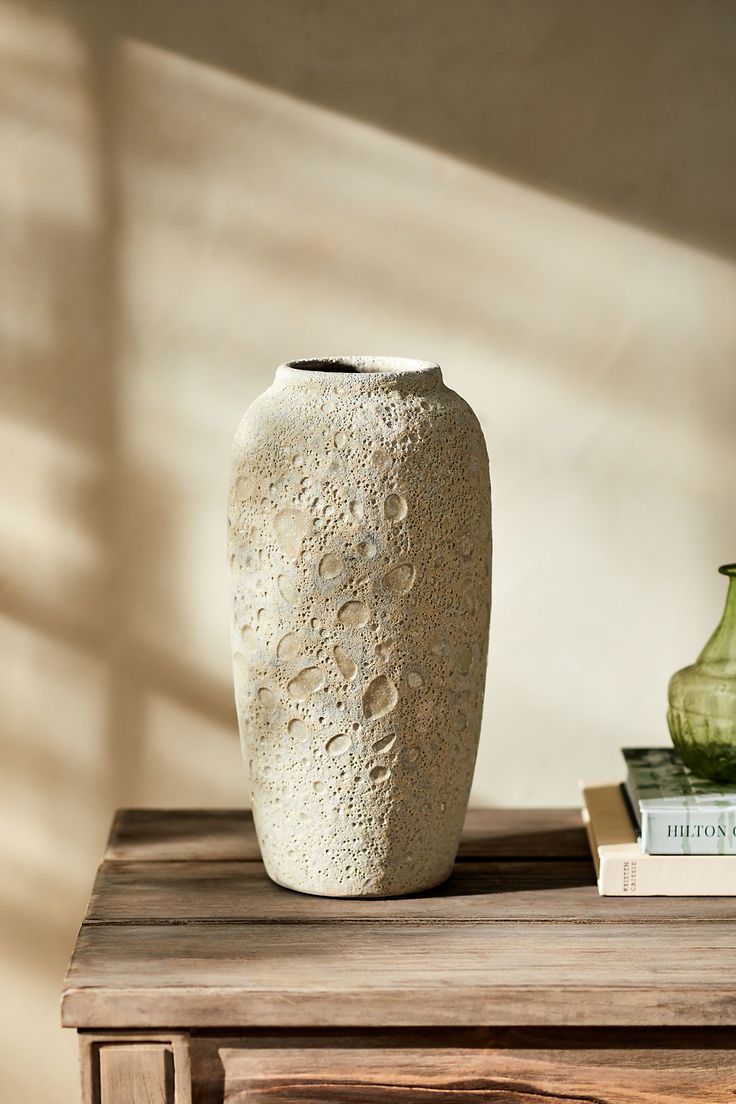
(688, 832)
(633, 800)
(592, 841)
(666, 876)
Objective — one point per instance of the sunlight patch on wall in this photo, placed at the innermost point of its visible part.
(598, 356)
(187, 755)
(51, 554)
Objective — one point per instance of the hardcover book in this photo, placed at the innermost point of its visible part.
(677, 812)
(624, 870)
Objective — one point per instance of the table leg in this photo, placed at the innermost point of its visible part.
(134, 1068)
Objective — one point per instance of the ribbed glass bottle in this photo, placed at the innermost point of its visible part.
(702, 700)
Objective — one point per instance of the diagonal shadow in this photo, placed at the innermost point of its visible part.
(627, 108)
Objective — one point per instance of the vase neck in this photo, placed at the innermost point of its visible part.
(721, 648)
(361, 374)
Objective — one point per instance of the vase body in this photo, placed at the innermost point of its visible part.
(702, 700)
(360, 552)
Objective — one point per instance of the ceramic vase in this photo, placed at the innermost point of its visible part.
(702, 700)
(360, 552)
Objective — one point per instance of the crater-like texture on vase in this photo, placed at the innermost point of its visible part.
(360, 550)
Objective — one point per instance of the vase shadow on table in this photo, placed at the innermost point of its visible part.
(483, 879)
(472, 879)
(538, 845)
(519, 862)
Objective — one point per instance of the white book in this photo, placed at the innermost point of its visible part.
(624, 870)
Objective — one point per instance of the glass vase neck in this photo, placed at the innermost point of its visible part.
(721, 648)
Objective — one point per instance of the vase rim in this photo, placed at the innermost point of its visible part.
(363, 373)
(362, 365)
(728, 569)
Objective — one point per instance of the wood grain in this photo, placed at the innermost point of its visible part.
(184, 928)
(136, 1072)
(138, 892)
(126, 1066)
(204, 835)
(239, 974)
(418, 1069)
(155, 835)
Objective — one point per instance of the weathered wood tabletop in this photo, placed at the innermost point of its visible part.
(195, 977)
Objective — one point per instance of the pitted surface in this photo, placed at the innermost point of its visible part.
(360, 554)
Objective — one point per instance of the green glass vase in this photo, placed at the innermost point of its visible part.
(702, 700)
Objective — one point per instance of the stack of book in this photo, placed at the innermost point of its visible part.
(662, 832)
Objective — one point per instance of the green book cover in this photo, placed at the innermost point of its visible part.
(678, 813)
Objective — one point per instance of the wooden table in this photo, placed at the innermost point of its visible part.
(195, 979)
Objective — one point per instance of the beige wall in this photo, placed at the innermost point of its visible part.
(539, 195)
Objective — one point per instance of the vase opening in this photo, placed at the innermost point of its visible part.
(364, 365)
(728, 569)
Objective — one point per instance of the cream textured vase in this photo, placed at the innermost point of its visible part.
(360, 551)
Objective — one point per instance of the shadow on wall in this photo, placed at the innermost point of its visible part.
(629, 109)
(626, 107)
(79, 528)
(66, 385)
